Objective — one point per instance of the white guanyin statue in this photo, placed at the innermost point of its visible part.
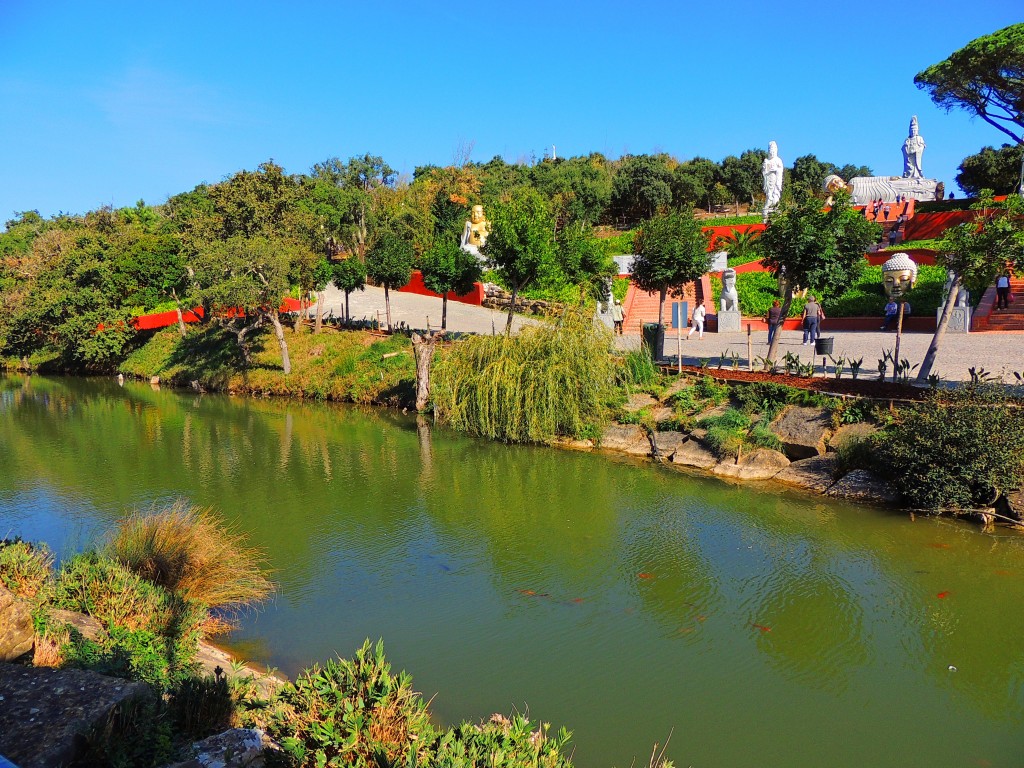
(913, 149)
(771, 170)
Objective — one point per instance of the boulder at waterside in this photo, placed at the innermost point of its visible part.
(803, 431)
(760, 464)
(16, 631)
(668, 442)
(814, 474)
(862, 485)
(850, 433)
(628, 438)
(693, 453)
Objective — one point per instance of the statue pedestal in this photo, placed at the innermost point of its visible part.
(729, 321)
(959, 321)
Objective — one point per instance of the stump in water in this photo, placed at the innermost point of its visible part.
(423, 350)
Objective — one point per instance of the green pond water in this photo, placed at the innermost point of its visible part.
(625, 601)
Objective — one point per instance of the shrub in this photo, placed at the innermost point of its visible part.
(543, 382)
(502, 743)
(957, 450)
(151, 633)
(726, 433)
(24, 567)
(352, 713)
(187, 551)
(201, 706)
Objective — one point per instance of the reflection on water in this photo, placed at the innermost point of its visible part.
(622, 600)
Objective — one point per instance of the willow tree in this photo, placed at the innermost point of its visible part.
(816, 248)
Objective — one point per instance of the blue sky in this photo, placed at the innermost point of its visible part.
(105, 103)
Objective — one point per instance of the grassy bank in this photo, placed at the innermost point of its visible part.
(351, 366)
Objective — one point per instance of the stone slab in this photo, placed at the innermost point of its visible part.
(17, 635)
(693, 453)
(668, 442)
(627, 438)
(43, 711)
(862, 485)
(760, 464)
(803, 431)
(813, 474)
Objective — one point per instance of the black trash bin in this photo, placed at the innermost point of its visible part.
(653, 338)
(823, 345)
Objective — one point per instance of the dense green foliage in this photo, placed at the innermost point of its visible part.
(995, 169)
(958, 450)
(544, 382)
(671, 250)
(984, 78)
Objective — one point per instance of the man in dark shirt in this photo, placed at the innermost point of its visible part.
(774, 320)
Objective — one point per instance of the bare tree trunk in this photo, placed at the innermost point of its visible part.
(348, 318)
(661, 303)
(243, 346)
(773, 348)
(387, 306)
(511, 310)
(299, 317)
(177, 309)
(319, 312)
(286, 363)
(444, 312)
(940, 331)
(423, 351)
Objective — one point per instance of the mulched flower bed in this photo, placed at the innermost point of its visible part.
(884, 390)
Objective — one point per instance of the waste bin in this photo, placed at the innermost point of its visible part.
(823, 345)
(653, 338)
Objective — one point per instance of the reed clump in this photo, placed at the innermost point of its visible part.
(546, 381)
(188, 552)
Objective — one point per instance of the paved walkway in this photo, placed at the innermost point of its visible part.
(998, 353)
(418, 311)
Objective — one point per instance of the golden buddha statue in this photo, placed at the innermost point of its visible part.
(474, 235)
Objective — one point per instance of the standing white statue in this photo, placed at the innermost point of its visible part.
(771, 170)
(913, 149)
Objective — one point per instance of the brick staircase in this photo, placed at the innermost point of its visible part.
(642, 306)
(988, 318)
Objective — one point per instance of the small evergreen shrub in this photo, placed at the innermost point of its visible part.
(957, 450)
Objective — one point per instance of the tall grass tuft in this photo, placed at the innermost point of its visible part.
(544, 382)
(188, 552)
(24, 567)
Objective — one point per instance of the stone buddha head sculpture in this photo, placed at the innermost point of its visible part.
(899, 274)
(476, 214)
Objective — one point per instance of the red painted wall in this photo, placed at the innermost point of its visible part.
(475, 297)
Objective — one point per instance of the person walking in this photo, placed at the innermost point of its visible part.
(813, 315)
(1003, 291)
(774, 320)
(698, 322)
(618, 315)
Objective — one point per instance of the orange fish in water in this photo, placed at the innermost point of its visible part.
(761, 627)
(1002, 572)
(645, 575)
(701, 618)
(527, 592)
(938, 545)
(942, 595)
(577, 599)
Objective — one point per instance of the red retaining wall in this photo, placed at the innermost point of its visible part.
(164, 319)
(928, 226)
(475, 297)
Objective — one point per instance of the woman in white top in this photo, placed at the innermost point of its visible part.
(698, 321)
